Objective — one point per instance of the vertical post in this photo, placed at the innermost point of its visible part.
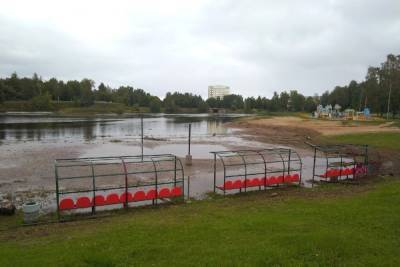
(175, 172)
(366, 160)
(327, 166)
(215, 170)
(94, 188)
(142, 137)
(341, 166)
(57, 190)
(288, 169)
(190, 136)
(188, 160)
(313, 171)
(188, 189)
(126, 183)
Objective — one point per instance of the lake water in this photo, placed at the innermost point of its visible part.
(158, 126)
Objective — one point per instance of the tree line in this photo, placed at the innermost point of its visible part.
(380, 91)
(380, 88)
(83, 93)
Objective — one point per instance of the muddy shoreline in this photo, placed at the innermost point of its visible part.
(27, 168)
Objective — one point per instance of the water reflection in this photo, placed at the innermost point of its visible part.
(22, 128)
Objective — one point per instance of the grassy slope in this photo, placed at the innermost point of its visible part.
(377, 140)
(248, 230)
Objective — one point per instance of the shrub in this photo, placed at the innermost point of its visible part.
(42, 102)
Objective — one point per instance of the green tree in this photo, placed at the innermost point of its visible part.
(297, 101)
(284, 101)
(213, 102)
(103, 93)
(155, 105)
(86, 93)
(42, 102)
(310, 105)
(202, 107)
(2, 92)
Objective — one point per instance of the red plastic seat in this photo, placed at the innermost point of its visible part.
(151, 194)
(295, 177)
(164, 193)
(237, 184)
(66, 204)
(112, 199)
(139, 196)
(176, 192)
(247, 183)
(279, 179)
(123, 197)
(288, 179)
(99, 200)
(255, 182)
(228, 185)
(272, 180)
(83, 202)
(349, 171)
(330, 173)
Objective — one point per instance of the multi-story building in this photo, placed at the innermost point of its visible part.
(218, 91)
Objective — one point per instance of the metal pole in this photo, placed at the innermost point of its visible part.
(190, 136)
(188, 188)
(142, 137)
(94, 187)
(188, 160)
(289, 159)
(313, 171)
(126, 182)
(175, 172)
(57, 191)
(215, 170)
(341, 166)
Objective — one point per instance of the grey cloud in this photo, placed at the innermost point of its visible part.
(256, 47)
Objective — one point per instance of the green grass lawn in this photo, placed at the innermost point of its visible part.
(377, 140)
(325, 226)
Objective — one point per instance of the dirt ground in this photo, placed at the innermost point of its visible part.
(295, 130)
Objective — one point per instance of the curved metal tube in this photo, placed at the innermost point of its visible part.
(156, 177)
(265, 168)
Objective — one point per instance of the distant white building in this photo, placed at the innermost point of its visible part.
(218, 91)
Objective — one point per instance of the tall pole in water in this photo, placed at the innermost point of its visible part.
(141, 127)
(190, 136)
(189, 156)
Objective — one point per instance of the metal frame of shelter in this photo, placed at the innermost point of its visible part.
(128, 167)
(342, 161)
(271, 161)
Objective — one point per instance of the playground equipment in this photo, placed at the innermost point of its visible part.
(257, 169)
(335, 113)
(341, 162)
(117, 181)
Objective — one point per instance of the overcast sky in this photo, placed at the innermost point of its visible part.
(255, 47)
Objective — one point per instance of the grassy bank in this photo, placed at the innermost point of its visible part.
(354, 225)
(377, 140)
